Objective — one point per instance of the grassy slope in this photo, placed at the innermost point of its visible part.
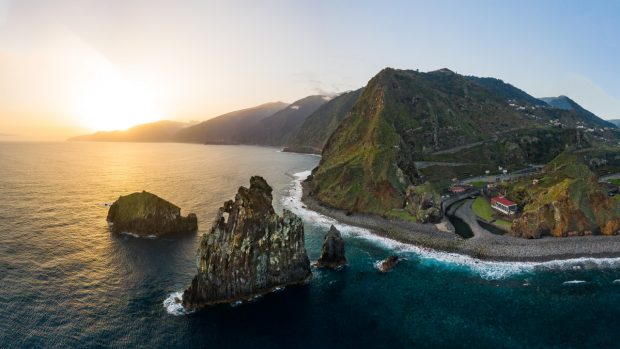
(359, 161)
(483, 209)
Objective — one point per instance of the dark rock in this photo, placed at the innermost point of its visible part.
(388, 263)
(147, 214)
(249, 251)
(332, 254)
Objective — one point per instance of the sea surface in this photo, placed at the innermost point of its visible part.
(67, 282)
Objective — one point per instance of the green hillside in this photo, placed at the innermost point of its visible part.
(316, 129)
(459, 125)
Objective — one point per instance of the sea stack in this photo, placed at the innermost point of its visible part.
(249, 251)
(147, 214)
(332, 254)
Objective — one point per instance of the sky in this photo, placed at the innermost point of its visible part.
(73, 66)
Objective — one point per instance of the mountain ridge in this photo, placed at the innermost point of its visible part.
(158, 131)
(404, 117)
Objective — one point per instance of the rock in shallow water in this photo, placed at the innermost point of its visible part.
(249, 251)
(146, 214)
(332, 254)
(388, 263)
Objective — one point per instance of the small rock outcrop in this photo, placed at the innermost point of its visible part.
(249, 251)
(147, 214)
(332, 254)
(388, 263)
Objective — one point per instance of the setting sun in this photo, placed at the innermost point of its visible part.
(109, 101)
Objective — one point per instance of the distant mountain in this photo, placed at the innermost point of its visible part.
(561, 102)
(271, 124)
(565, 103)
(160, 131)
(505, 90)
(615, 122)
(230, 128)
(277, 129)
(314, 132)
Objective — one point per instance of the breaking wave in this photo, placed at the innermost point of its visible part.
(174, 306)
(490, 270)
(574, 282)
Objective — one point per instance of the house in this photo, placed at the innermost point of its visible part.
(457, 190)
(503, 205)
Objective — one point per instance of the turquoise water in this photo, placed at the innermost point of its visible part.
(65, 281)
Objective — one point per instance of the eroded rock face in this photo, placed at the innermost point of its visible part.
(572, 204)
(561, 217)
(249, 251)
(146, 214)
(332, 254)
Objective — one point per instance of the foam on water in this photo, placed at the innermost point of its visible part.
(574, 282)
(173, 307)
(489, 270)
(130, 234)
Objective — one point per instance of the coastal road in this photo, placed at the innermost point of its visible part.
(466, 213)
(609, 177)
(511, 175)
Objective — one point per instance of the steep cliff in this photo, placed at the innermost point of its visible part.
(147, 214)
(249, 251)
(566, 201)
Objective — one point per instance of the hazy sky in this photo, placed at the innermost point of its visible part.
(71, 66)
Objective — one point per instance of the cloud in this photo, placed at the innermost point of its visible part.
(329, 85)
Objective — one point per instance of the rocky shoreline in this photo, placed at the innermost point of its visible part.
(483, 245)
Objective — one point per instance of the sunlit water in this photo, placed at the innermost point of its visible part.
(65, 281)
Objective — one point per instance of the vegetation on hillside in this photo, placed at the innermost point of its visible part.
(462, 126)
(566, 199)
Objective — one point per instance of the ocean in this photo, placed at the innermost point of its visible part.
(67, 282)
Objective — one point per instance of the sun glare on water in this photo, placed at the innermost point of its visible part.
(109, 101)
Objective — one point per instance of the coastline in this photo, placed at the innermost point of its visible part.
(483, 246)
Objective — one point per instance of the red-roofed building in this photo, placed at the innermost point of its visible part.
(504, 205)
(457, 189)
